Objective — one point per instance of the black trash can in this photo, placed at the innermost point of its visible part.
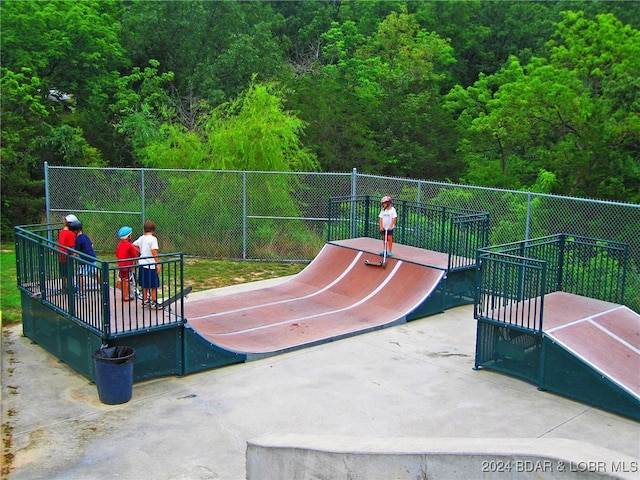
(114, 374)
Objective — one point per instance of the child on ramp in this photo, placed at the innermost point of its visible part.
(387, 222)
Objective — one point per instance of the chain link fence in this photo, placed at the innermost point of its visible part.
(283, 216)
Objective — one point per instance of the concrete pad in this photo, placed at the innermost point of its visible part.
(411, 381)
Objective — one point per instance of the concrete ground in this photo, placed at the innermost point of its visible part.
(413, 380)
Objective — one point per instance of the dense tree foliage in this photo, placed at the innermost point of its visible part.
(521, 95)
(569, 114)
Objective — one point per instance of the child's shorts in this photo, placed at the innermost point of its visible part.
(125, 273)
(149, 278)
(87, 270)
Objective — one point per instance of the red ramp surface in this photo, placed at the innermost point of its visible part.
(604, 335)
(335, 296)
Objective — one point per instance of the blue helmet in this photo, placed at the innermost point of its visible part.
(124, 232)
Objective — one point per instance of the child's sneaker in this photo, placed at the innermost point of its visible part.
(146, 303)
(154, 306)
(389, 254)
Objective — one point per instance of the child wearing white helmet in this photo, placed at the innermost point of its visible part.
(66, 240)
(387, 222)
(126, 252)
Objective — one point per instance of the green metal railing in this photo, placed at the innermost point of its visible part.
(99, 310)
(457, 232)
(74, 327)
(514, 278)
(510, 290)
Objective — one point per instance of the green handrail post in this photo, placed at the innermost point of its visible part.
(542, 295)
(106, 299)
(624, 272)
(561, 267)
(330, 220)
(443, 223)
(367, 215)
(403, 220)
(41, 269)
(181, 334)
(18, 256)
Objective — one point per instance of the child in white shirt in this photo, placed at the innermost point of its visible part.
(387, 221)
(149, 266)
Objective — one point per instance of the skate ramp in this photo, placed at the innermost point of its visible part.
(603, 336)
(337, 295)
(588, 350)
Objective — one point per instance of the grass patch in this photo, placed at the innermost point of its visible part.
(201, 273)
(10, 306)
(204, 274)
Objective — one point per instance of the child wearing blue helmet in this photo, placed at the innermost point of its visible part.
(126, 252)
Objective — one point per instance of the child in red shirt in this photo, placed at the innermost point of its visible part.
(66, 240)
(125, 253)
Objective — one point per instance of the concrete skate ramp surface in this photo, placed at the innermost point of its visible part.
(336, 295)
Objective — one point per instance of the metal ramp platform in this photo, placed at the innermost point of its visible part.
(589, 351)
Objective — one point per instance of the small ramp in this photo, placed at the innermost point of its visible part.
(335, 296)
(597, 345)
(588, 350)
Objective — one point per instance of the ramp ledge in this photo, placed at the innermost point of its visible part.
(278, 456)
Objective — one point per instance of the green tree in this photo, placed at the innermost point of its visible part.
(213, 48)
(484, 34)
(252, 132)
(410, 66)
(23, 109)
(605, 55)
(58, 62)
(374, 103)
(567, 115)
(141, 107)
(302, 29)
(72, 47)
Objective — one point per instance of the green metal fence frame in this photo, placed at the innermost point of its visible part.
(561, 261)
(457, 232)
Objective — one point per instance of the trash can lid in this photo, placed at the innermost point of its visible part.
(118, 354)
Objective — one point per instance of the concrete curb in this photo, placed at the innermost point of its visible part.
(278, 456)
